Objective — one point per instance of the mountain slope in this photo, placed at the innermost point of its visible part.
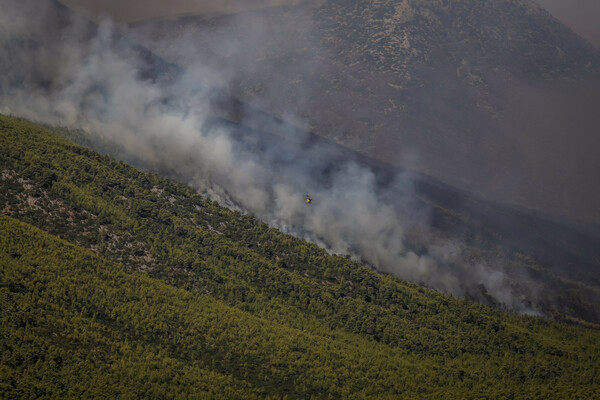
(96, 319)
(230, 303)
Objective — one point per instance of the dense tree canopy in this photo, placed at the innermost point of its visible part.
(138, 287)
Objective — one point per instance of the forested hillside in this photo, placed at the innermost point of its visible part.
(138, 287)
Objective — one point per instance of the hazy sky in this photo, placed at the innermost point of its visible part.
(583, 16)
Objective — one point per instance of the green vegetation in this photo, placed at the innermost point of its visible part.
(139, 287)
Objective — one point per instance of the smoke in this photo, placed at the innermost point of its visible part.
(88, 78)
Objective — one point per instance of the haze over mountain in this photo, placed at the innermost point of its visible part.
(581, 15)
(496, 97)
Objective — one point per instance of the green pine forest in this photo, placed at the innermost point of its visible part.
(115, 283)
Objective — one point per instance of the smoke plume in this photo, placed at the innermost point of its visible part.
(58, 70)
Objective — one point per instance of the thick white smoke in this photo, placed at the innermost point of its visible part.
(79, 78)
